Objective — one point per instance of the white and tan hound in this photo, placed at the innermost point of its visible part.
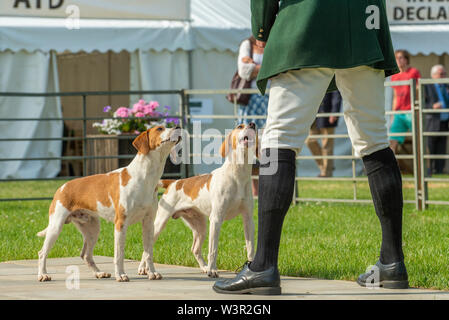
(220, 195)
(124, 196)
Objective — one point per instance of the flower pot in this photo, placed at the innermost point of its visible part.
(101, 147)
(125, 147)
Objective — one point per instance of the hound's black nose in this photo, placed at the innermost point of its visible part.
(177, 127)
(252, 125)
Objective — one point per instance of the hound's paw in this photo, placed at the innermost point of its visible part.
(100, 275)
(122, 278)
(142, 271)
(203, 269)
(44, 277)
(154, 276)
(213, 273)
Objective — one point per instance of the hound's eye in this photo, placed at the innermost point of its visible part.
(240, 126)
(160, 129)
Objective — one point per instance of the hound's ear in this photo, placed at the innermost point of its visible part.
(226, 146)
(142, 143)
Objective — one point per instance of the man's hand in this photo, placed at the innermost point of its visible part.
(437, 105)
(260, 44)
(332, 119)
(247, 60)
(255, 72)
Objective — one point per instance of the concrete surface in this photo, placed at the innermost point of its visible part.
(18, 280)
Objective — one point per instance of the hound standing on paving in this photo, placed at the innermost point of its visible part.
(308, 44)
(220, 195)
(124, 196)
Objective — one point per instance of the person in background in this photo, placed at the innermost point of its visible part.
(437, 97)
(248, 63)
(401, 98)
(326, 126)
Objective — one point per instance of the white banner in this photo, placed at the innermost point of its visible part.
(102, 9)
(418, 11)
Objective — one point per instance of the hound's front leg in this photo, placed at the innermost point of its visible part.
(146, 266)
(216, 220)
(119, 253)
(248, 225)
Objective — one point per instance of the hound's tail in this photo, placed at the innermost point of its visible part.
(42, 233)
(164, 183)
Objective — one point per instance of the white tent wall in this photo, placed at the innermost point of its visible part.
(212, 69)
(29, 72)
(159, 70)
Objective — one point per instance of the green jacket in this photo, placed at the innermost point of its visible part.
(320, 33)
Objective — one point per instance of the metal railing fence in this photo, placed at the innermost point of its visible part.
(84, 138)
(425, 176)
(351, 157)
(419, 179)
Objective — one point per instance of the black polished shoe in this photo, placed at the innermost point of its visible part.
(390, 276)
(265, 282)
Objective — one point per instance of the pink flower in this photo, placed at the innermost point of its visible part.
(154, 104)
(139, 114)
(138, 107)
(123, 112)
(148, 110)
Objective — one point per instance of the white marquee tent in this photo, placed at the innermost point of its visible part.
(198, 52)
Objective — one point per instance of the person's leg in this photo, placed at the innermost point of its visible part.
(328, 150)
(440, 148)
(362, 88)
(314, 146)
(394, 144)
(385, 183)
(397, 126)
(261, 110)
(295, 97)
(444, 128)
(441, 151)
(275, 197)
(432, 146)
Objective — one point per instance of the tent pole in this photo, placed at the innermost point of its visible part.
(189, 62)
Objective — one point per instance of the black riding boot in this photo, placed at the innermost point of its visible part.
(384, 178)
(261, 276)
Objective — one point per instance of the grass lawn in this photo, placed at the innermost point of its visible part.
(328, 241)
